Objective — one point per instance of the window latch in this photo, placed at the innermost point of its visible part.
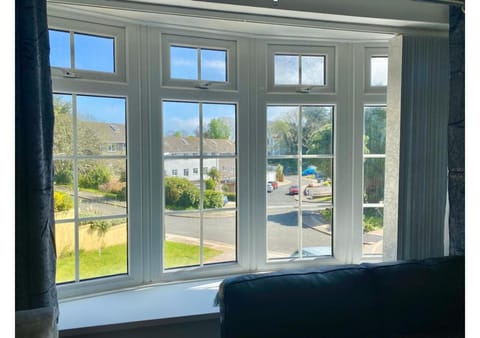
(69, 74)
(203, 85)
(304, 90)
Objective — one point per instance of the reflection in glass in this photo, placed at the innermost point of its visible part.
(183, 63)
(317, 130)
(378, 71)
(182, 240)
(59, 48)
(213, 65)
(282, 130)
(103, 247)
(219, 237)
(313, 70)
(373, 180)
(102, 60)
(286, 69)
(373, 231)
(375, 130)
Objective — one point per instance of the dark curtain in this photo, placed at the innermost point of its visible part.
(35, 257)
(456, 133)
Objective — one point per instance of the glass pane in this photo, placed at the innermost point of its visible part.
(101, 125)
(373, 180)
(102, 187)
(213, 65)
(317, 130)
(286, 69)
(182, 192)
(103, 58)
(220, 182)
(313, 70)
(316, 185)
(375, 130)
(379, 71)
(372, 231)
(181, 126)
(182, 240)
(316, 233)
(63, 129)
(285, 190)
(219, 237)
(282, 130)
(59, 48)
(103, 248)
(183, 63)
(282, 232)
(65, 245)
(219, 129)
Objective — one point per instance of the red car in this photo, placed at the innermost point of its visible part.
(293, 190)
(274, 184)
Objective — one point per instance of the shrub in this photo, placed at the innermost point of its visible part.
(180, 193)
(122, 194)
(210, 184)
(63, 177)
(212, 199)
(327, 214)
(372, 223)
(94, 176)
(62, 201)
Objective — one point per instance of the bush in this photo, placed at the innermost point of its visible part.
(94, 176)
(327, 214)
(180, 193)
(212, 199)
(122, 194)
(372, 223)
(209, 184)
(62, 201)
(63, 177)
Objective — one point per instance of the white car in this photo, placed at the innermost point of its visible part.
(269, 187)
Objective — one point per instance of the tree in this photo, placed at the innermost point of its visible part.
(279, 176)
(218, 129)
(101, 227)
(214, 174)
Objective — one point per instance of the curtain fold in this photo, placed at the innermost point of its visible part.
(35, 257)
(456, 133)
(423, 147)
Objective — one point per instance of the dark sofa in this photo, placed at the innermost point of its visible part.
(417, 298)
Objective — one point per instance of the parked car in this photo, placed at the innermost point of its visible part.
(269, 187)
(314, 251)
(293, 190)
(274, 184)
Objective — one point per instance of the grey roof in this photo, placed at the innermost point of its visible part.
(191, 144)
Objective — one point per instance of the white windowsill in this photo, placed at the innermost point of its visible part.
(148, 303)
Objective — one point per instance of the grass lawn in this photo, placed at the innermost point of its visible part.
(113, 260)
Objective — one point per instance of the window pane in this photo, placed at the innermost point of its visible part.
(103, 248)
(219, 129)
(378, 71)
(316, 187)
(183, 63)
(65, 245)
(282, 130)
(375, 130)
(316, 233)
(373, 180)
(102, 187)
(286, 69)
(63, 129)
(181, 126)
(102, 60)
(213, 65)
(313, 70)
(282, 232)
(59, 48)
(182, 240)
(373, 231)
(219, 237)
(101, 125)
(317, 132)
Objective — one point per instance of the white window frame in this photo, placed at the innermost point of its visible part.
(200, 43)
(95, 29)
(250, 91)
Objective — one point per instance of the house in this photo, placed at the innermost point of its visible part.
(289, 19)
